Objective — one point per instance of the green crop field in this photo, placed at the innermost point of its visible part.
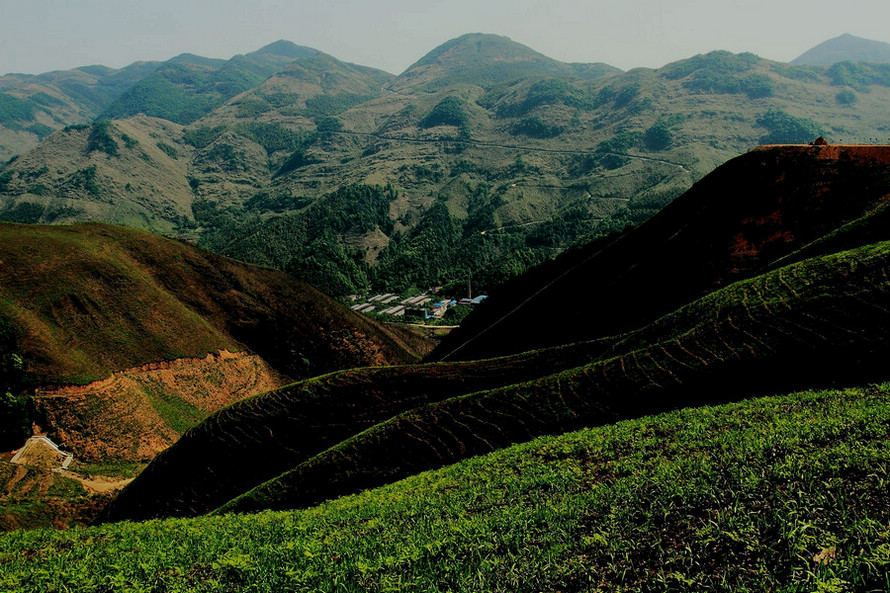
(784, 493)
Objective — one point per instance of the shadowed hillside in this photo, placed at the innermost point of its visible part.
(750, 213)
(284, 428)
(817, 322)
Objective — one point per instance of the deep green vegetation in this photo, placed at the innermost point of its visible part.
(15, 414)
(781, 493)
(184, 90)
(450, 111)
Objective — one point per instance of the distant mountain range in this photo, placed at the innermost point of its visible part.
(484, 152)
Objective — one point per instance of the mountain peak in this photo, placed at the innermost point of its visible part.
(845, 48)
(482, 59)
(286, 49)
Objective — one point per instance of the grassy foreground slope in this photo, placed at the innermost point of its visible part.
(811, 323)
(774, 494)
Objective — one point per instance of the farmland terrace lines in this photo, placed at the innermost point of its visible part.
(542, 400)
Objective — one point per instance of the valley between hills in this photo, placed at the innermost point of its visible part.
(677, 382)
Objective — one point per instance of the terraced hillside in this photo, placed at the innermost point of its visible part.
(820, 321)
(779, 493)
(91, 300)
(770, 205)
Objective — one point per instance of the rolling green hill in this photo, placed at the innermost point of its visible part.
(780, 493)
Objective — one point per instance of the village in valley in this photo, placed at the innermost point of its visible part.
(424, 308)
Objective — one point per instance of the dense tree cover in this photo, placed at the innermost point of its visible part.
(183, 92)
(202, 136)
(721, 72)
(846, 97)
(324, 264)
(859, 75)
(550, 91)
(535, 127)
(334, 104)
(24, 212)
(306, 244)
(658, 137)
(313, 244)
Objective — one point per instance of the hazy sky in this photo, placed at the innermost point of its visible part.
(41, 35)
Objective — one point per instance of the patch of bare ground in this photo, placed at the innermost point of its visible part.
(136, 413)
(98, 484)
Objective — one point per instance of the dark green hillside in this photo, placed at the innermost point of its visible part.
(735, 223)
(817, 322)
(89, 300)
(846, 48)
(772, 494)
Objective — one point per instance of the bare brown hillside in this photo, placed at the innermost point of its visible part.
(138, 412)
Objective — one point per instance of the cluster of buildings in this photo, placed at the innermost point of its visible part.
(418, 307)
